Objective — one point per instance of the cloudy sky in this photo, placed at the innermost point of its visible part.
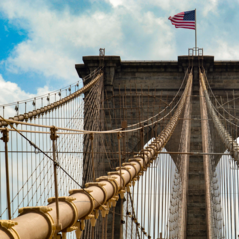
(42, 40)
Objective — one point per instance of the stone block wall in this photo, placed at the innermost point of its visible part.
(162, 79)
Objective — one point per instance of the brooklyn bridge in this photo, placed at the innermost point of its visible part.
(134, 149)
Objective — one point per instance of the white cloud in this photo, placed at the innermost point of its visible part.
(30, 56)
(152, 34)
(56, 37)
(225, 51)
(116, 3)
(43, 91)
(168, 5)
(11, 92)
(211, 6)
(6, 29)
(162, 47)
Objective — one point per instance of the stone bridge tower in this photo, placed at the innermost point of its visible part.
(149, 86)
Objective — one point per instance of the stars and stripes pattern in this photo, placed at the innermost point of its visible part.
(184, 20)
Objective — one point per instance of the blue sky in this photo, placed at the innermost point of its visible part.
(42, 40)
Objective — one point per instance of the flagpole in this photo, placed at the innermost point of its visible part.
(196, 31)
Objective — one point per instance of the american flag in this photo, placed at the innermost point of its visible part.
(184, 20)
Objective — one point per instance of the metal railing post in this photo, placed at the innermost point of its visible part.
(54, 137)
(92, 155)
(121, 195)
(124, 126)
(5, 139)
(113, 221)
(106, 223)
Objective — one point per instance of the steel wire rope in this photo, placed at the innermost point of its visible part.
(133, 215)
(186, 74)
(64, 145)
(90, 101)
(184, 79)
(212, 169)
(132, 206)
(88, 98)
(29, 189)
(98, 132)
(63, 162)
(179, 166)
(229, 102)
(106, 152)
(110, 131)
(18, 192)
(50, 106)
(47, 156)
(212, 110)
(217, 229)
(36, 147)
(32, 144)
(146, 125)
(31, 175)
(168, 181)
(23, 187)
(96, 71)
(93, 111)
(73, 122)
(220, 104)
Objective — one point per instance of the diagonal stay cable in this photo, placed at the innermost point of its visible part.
(100, 132)
(184, 79)
(55, 162)
(84, 79)
(171, 125)
(113, 130)
(56, 104)
(45, 154)
(220, 105)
